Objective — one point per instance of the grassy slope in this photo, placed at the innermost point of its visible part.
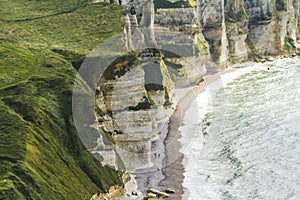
(41, 156)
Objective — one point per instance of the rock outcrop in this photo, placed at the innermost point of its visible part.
(272, 26)
(136, 89)
(236, 20)
(212, 19)
(113, 193)
(179, 34)
(133, 94)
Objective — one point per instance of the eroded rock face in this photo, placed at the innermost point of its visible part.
(125, 91)
(136, 89)
(177, 19)
(138, 19)
(133, 93)
(271, 23)
(264, 37)
(179, 35)
(174, 46)
(212, 19)
(296, 5)
(236, 20)
(253, 28)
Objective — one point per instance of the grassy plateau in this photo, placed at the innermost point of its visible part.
(42, 43)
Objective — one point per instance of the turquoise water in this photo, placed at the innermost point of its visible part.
(256, 153)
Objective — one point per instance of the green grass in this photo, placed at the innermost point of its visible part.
(178, 4)
(233, 15)
(202, 46)
(120, 66)
(78, 31)
(41, 156)
(28, 9)
(293, 20)
(289, 43)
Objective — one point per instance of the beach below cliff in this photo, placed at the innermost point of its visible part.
(172, 163)
(167, 155)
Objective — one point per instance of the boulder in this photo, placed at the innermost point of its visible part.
(158, 193)
(150, 194)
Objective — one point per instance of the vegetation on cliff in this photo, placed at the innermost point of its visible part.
(177, 4)
(235, 14)
(280, 5)
(41, 45)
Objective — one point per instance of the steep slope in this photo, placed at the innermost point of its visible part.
(41, 156)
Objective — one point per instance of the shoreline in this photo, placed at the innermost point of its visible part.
(169, 168)
(166, 153)
(173, 165)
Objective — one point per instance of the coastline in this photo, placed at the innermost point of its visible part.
(173, 162)
(169, 169)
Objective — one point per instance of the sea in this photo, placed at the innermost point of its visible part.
(241, 136)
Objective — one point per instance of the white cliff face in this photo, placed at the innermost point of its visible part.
(212, 20)
(239, 28)
(236, 22)
(139, 24)
(177, 19)
(145, 13)
(237, 36)
(133, 95)
(270, 24)
(189, 39)
(179, 32)
(264, 39)
(288, 22)
(126, 22)
(210, 12)
(126, 91)
(131, 107)
(224, 46)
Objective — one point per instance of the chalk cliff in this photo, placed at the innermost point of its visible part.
(272, 26)
(174, 43)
